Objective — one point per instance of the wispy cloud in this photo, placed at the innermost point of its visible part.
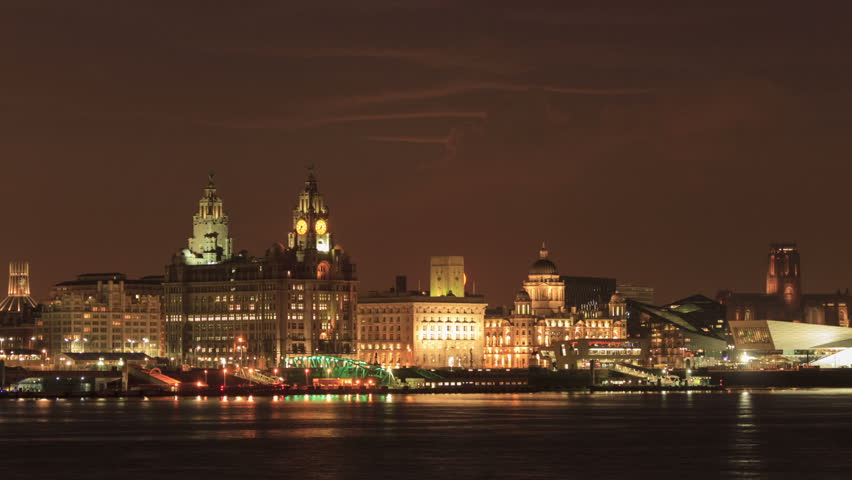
(427, 57)
(389, 139)
(394, 116)
(462, 88)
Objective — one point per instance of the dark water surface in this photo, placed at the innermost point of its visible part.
(780, 434)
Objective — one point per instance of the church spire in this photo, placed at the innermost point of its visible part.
(542, 254)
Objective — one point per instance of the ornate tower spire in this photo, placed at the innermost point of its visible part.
(19, 289)
(210, 242)
(542, 254)
(310, 227)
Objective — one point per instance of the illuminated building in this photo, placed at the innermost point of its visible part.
(446, 276)
(784, 299)
(299, 298)
(544, 287)
(689, 333)
(101, 361)
(18, 310)
(402, 328)
(210, 242)
(768, 343)
(103, 312)
(19, 300)
(538, 329)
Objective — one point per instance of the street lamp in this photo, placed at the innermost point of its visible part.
(241, 348)
(307, 377)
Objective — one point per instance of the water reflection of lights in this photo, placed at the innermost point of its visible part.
(745, 456)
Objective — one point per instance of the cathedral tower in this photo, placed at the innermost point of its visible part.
(210, 243)
(19, 299)
(783, 277)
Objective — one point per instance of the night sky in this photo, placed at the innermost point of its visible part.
(663, 146)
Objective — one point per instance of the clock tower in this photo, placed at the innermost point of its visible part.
(310, 225)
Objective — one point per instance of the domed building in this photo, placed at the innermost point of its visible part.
(541, 333)
(544, 286)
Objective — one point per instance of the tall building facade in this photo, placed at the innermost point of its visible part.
(297, 299)
(103, 312)
(784, 299)
(402, 328)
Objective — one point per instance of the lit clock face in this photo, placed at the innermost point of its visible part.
(321, 227)
(302, 227)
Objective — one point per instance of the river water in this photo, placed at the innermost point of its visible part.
(781, 434)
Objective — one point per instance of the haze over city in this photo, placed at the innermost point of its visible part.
(665, 147)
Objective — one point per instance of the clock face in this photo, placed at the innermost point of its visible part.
(321, 227)
(302, 227)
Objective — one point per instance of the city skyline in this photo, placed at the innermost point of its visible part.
(657, 162)
(425, 238)
(419, 275)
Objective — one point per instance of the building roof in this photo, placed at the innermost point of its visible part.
(543, 266)
(94, 278)
(94, 356)
(414, 297)
(788, 335)
(696, 320)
